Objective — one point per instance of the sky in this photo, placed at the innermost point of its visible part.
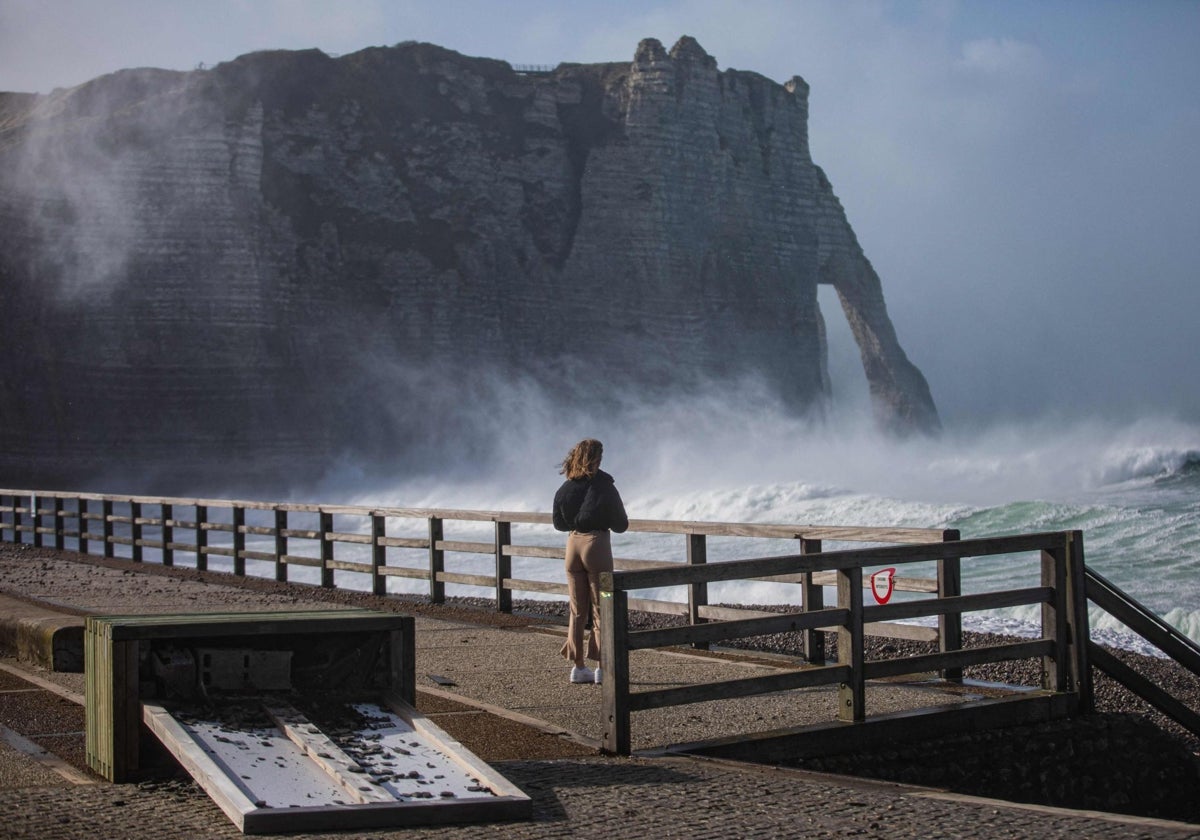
(1022, 175)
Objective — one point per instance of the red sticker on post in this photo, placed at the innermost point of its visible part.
(881, 585)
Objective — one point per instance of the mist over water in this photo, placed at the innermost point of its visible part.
(735, 454)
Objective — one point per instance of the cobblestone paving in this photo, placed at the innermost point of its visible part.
(599, 797)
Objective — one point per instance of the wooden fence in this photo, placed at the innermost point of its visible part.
(1060, 591)
(157, 529)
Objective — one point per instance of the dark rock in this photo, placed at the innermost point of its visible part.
(289, 257)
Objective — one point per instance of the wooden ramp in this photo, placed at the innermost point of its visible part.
(295, 721)
(271, 769)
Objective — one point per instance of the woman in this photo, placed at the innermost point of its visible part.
(589, 507)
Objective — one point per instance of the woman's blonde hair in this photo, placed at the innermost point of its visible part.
(583, 460)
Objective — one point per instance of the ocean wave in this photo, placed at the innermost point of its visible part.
(1148, 462)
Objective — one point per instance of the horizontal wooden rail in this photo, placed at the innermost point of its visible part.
(744, 687)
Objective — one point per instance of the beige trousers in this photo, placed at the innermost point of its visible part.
(588, 554)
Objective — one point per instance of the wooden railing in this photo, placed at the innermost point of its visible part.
(1062, 645)
(152, 528)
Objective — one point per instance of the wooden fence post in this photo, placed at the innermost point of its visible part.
(135, 531)
(378, 554)
(1080, 629)
(851, 695)
(81, 505)
(201, 537)
(36, 519)
(326, 528)
(697, 555)
(106, 507)
(614, 665)
(437, 562)
(949, 572)
(167, 513)
(812, 598)
(59, 525)
(239, 540)
(1056, 675)
(281, 545)
(503, 567)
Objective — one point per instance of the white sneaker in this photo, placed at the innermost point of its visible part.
(597, 675)
(582, 675)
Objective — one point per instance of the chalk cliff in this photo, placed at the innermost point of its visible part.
(222, 275)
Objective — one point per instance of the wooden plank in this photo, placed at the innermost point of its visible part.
(1152, 628)
(468, 580)
(899, 583)
(266, 556)
(219, 787)
(404, 572)
(660, 607)
(349, 566)
(759, 567)
(301, 560)
(467, 547)
(357, 539)
(404, 542)
(743, 687)
(728, 630)
(960, 603)
(126, 628)
(924, 663)
(542, 551)
(1055, 664)
(456, 752)
(345, 771)
(518, 585)
(1144, 688)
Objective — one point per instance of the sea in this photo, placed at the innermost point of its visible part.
(1132, 487)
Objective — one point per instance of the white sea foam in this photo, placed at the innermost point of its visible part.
(741, 458)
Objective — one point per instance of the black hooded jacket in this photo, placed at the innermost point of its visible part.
(590, 504)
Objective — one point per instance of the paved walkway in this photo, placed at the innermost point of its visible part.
(467, 669)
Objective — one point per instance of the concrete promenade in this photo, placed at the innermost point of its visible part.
(497, 684)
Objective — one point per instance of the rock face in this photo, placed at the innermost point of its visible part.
(219, 276)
